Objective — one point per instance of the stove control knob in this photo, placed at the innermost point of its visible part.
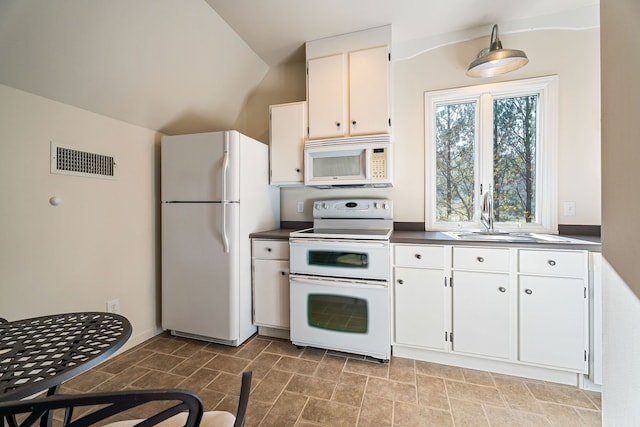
(376, 205)
(316, 206)
(324, 206)
(385, 205)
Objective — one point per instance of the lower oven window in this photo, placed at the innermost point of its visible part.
(338, 313)
(338, 259)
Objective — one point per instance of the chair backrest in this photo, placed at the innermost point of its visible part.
(243, 402)
(103, 406)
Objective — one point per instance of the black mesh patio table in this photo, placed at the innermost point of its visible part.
(41, 353)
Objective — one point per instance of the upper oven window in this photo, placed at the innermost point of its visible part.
(338, 259)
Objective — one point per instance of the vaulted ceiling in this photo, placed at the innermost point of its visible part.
(180, 66)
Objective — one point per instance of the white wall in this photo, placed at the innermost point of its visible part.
(100, 243)
(621, 346)
(572, 55)
(621, 201)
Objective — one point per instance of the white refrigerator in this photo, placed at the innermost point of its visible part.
(215, 192)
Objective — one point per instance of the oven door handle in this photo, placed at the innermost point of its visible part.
(341, 242)
(333, 282)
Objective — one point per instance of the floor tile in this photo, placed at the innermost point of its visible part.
(311, 387)
(410, 415)
(503, 417)
(329, 413)
(561, 394)
(476, 393)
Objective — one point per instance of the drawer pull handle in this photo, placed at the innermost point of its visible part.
(528, 291)
(480, 259)
(502, 289)
(418, 256)
(400, 281)
(551, 262)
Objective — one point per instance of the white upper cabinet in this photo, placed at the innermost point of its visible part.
(288, 126)
(348, 84)
(327, 96)
(369, 91)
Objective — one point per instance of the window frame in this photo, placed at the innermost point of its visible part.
(546, 153)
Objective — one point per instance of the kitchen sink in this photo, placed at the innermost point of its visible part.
(500, 236)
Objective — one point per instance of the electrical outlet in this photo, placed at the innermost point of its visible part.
(569, 208)
(300, 207)
(113, 306)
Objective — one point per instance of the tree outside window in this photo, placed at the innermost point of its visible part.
(490, 136)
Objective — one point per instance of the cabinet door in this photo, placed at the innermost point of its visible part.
(327, 96)
(287, 132)
(481, 314)
(369, 91)
(420, 308)
(271, 293)
(552, 326)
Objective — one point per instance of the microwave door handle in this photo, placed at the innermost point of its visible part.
(368, 152)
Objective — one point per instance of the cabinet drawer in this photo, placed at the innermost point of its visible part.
(419, 256)
(271, 249)
(562, 263)
(489, 259)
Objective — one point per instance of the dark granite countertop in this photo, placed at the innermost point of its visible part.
(589, 243)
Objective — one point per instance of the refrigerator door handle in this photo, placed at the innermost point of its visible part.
(225, 170)
(225, 237)
(225, 166)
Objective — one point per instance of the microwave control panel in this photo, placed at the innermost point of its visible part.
(379, 163)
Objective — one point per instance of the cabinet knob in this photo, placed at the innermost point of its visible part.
(400, 281)
(298, 170)
(353, 122)
(502, 289)
(480, 259)
(337, 124)
(268, 249)
(528, 291)
(418, 256)
(283, 273)
(551, 262)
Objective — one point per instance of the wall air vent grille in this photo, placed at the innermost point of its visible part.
(69, 161)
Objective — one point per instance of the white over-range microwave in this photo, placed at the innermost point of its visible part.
(356, 161)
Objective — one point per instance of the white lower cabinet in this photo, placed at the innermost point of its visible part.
(270, 260)
(481, 314)
(519, 306)
(420, 307)
(271, 293)
(553, 308)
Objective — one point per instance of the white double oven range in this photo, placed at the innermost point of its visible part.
(340, 278)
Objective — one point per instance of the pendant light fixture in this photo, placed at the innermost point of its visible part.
(495, 60)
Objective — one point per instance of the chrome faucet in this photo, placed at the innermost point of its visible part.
(486, 213)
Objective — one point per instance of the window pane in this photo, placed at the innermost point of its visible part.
(514, 158)
(455, 146)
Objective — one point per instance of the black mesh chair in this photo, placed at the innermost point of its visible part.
(169, 407)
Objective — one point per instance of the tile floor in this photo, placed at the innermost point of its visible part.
(312, 387)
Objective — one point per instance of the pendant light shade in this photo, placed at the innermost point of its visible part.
(495, 60)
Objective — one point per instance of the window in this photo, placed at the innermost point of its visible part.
(497, 137)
